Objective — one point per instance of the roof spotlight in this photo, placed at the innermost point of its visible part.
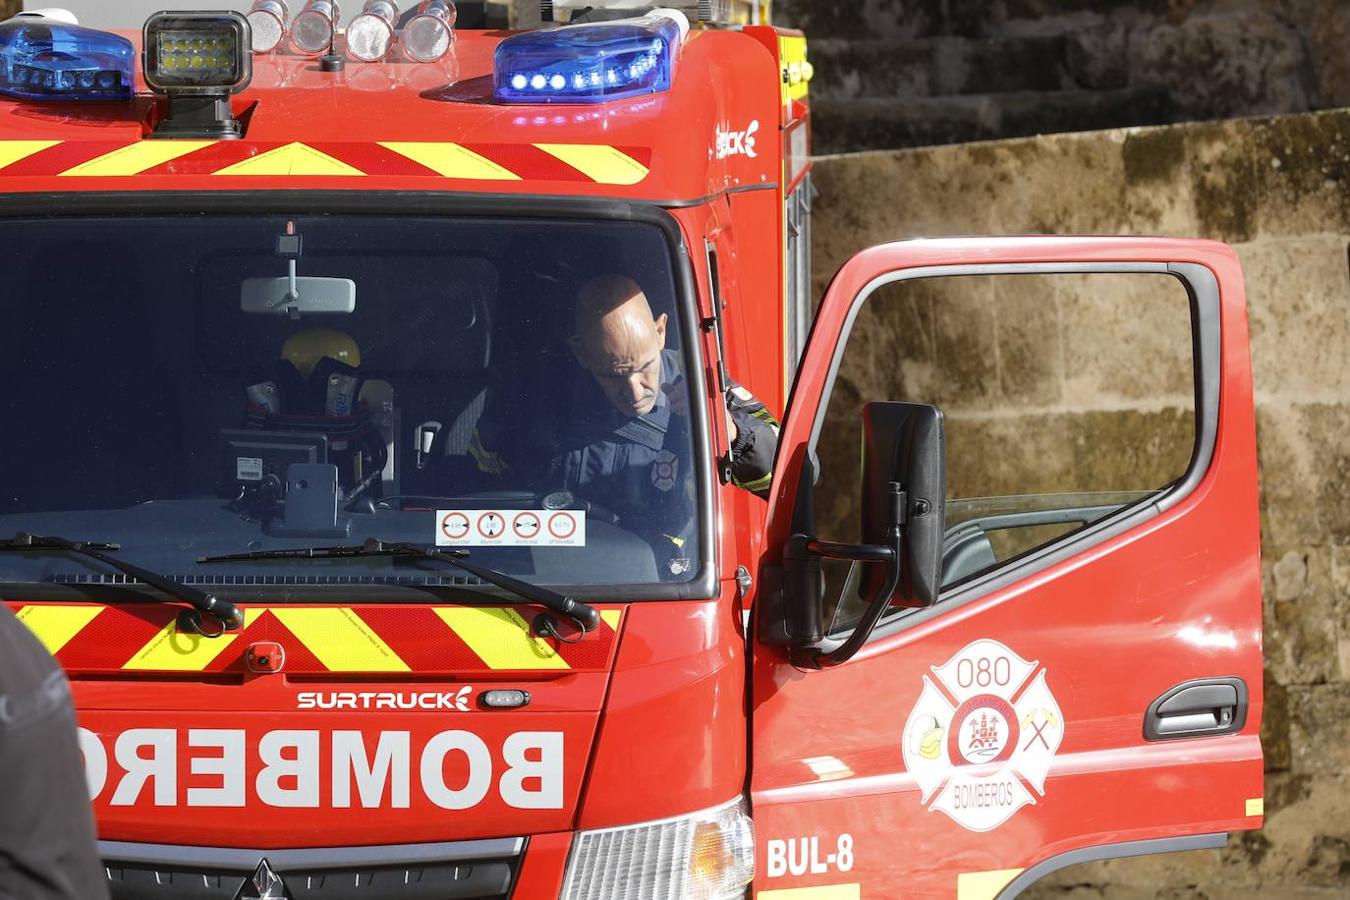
(429, 35)
(314, 26)
(198, 59)
(268, 21)
(370, 36)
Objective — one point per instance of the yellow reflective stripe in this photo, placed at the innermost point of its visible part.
(488, 461)
(292, 159)
(13, 151)
(611, 618)
(599, 162)
(1256, 806)
(501, 638)
(56, 625)
(823, 892)
(758, 484)
(983, 885)
(171, 650)
(451, 160)
(764, 416)
(340, 640)
(135, 158)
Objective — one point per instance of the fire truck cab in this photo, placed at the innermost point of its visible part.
(367, 585)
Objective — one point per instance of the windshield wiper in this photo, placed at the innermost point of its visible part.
(229, 616)
(584, 615)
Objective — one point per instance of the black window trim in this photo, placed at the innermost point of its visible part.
(1202, 289)
(705, 584)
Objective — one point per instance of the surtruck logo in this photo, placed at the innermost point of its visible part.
(981, 737)
(443, 700)
(737, 143)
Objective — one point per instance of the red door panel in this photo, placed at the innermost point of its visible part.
(949, 756)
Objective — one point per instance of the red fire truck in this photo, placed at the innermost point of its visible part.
(329, 637)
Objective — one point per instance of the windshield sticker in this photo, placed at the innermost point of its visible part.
(978, 743)
(510, 528)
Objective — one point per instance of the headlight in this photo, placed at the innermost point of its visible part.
(708, 855)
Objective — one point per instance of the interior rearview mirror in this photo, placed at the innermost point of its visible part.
(903, 444)
(298, 296)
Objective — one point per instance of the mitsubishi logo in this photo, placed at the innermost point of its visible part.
(264, 885)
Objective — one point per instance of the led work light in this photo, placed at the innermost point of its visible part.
(198, 59)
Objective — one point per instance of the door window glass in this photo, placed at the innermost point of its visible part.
(1066, 397)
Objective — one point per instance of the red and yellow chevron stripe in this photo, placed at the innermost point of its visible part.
(593, 163)
(92, 638)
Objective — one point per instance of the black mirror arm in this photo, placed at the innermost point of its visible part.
(810, 657)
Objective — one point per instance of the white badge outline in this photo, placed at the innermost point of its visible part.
(983, 676)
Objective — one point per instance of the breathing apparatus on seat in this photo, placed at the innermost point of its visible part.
(315, 386)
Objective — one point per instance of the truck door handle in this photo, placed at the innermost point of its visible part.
(1200, 708)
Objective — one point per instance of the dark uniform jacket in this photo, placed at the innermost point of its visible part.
(637, 468)
(47, 848)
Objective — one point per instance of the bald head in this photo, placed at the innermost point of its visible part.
(619, 342)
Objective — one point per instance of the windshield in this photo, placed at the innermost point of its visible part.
(191, 386)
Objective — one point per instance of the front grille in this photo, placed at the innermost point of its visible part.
(466, 870)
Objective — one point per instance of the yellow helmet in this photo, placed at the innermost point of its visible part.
(304, 349)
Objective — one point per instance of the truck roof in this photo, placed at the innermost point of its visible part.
(410, 126)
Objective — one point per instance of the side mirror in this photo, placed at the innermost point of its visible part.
(904, 445)
(904, 493)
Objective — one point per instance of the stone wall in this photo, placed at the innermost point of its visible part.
(1279, 190)
(901, 73)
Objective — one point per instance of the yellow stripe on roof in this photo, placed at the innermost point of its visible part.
(340, 640)
(13, 151)
(56, 625)
(171, 650)
(501, 638)
(451, 160)
(136, 158)
(599, 162)
(611, 618)
(292, 159)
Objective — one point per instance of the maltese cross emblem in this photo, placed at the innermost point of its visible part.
(981, 737)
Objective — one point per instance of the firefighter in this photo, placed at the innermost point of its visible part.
(47, 846)
(622, 439)
(623, 346)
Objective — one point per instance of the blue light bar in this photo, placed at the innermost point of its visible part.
(46, 59)
(588, 63)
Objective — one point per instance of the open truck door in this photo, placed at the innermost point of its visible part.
(964, 714)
